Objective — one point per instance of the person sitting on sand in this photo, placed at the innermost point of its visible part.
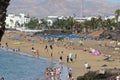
(107, 57)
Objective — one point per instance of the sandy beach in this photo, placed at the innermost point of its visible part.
(25, 44)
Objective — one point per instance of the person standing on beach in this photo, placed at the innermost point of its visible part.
(70, 74)
(67, 59)
(70, 57)
(37, 52)
(46, 47)
(58, 71)
(6, 45)
(60, 61)
(52, 76)
(61, 58)
(51, 47)
(47, 74)
(51, 54)
(32, 49)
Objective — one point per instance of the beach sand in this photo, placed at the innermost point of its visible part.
(25, 44)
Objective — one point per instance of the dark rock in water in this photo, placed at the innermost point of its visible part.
(3, 9)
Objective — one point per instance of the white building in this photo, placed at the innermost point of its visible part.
(16, 21)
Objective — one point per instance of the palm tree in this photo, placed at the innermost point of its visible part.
(71, 23)
(99, 22)
(108, 21)
(93, 23)
(44, 24)
(117, 14)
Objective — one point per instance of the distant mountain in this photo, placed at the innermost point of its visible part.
(43, 8)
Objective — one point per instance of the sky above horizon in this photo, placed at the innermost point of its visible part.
(114, 0)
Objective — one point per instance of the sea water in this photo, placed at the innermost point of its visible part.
(16, 66)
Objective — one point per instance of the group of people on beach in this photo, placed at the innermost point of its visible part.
(66, 44)
(53, 73)
(71, 57)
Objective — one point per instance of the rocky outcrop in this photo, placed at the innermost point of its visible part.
(3, 9)
(110, 34)
(108, 74)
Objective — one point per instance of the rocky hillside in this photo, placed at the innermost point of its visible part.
(105, 74)
(43, 8)
(109, 34)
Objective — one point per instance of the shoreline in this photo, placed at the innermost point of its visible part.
(77, 65)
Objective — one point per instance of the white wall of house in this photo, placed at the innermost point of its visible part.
(16, 21)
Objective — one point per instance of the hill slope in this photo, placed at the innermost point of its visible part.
(42, 8)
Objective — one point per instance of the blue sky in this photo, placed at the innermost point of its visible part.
(114, 0)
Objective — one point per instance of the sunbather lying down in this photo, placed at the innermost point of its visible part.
(108, 58)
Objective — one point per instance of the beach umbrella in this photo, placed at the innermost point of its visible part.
(96, 52)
